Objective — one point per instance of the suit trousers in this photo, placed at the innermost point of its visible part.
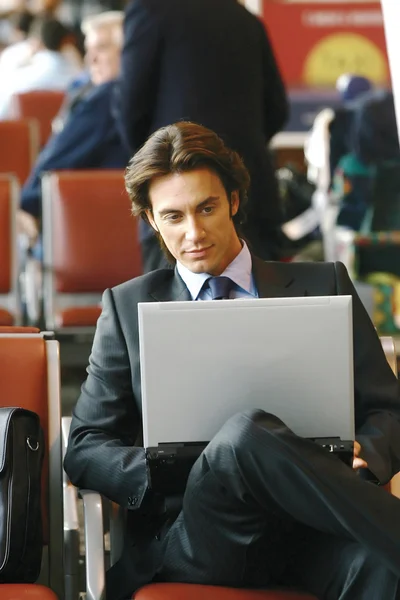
(265, 508)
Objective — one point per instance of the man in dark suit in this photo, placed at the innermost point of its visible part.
(262, 506)
(211, 63)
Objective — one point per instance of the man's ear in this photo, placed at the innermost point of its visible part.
(235, 201)
(149, 215)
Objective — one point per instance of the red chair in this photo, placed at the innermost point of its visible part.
(29, 375)
(183, 591)
(13, 330)
(42, 105)
(10, 308)
(19, 146)
(90, 243)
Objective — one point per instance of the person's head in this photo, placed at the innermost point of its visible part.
(103, 44)
(52, 34)
(192, 189)
(350, 87)
(21, 23)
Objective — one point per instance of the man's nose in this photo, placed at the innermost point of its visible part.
(194, 230)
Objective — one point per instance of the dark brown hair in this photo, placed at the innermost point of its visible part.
(181, 147)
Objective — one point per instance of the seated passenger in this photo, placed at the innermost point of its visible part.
(48, 68)
(19, 50)
(351, 88)
(262, 506)
(329, 136)
(86, 136)
(373, 145)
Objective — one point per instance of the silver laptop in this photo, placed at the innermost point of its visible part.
(202, 362)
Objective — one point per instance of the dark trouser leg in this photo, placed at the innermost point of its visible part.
(333, 568)
(254, 481)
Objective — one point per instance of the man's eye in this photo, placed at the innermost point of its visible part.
(208, 209)
(172, 218)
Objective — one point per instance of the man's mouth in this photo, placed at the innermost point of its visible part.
(198, 251)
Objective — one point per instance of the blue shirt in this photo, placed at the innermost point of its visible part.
(239, 270)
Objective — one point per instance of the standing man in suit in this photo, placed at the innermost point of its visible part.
(262, 506)
(211, 63)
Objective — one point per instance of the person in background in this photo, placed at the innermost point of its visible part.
(48, 69)
(373, 145)
(20, 49)
(87, 136)
(329, 137)
(211, 63)
(351, 89)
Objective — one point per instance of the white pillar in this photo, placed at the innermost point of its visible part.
(391, 17)
(254, 6)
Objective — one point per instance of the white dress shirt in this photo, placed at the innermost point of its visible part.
(239, 270)
(47, 70)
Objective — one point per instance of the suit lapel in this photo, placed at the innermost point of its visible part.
(171, 289)
(275, 280)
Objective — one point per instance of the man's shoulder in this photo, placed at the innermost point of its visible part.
(96, 97)
(169, 10)
(140, 288)
(300, 268)
(307, 267)
(99, 92)
(316, 277)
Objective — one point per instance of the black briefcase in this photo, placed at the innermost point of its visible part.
(21, 460)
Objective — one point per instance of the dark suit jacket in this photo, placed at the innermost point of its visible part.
(107, 418)
(88, 140)
(212, 63)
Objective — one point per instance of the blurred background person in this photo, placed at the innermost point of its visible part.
(87, 136)
(20, 49)
(211, 63)
(351, 88)
(366, 181)
(329, 139)
(48, 68)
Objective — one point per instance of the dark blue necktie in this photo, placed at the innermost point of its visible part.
(220, 287)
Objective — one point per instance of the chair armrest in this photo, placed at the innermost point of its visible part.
(71, 520)
(94, 545)
(71, 525)
(65, 427)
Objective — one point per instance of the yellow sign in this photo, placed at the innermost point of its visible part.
(344, 53)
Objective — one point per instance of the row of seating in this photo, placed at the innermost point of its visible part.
(19, 147)
(41, 105)
(30, 376)
(27, 131)
(90, 243)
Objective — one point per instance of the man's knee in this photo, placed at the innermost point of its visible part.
(365, 569)
(238, 433)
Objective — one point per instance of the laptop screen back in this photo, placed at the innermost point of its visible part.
(201, 362)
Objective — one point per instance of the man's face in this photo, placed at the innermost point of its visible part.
(191, 212)
(103, 54)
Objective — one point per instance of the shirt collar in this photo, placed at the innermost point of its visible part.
(239, 270)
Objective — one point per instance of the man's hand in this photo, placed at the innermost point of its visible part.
(27, 225)
(358, 463)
